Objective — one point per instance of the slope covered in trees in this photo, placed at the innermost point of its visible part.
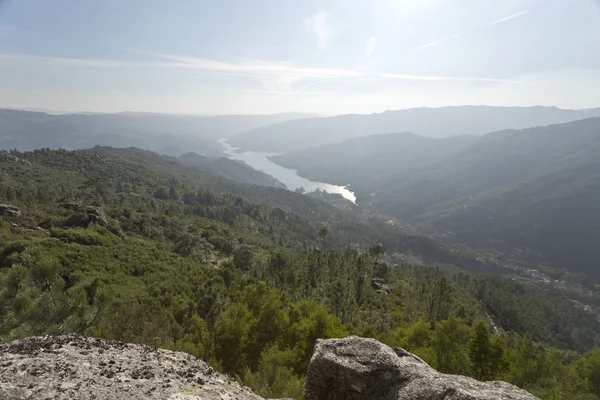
(138, 247)
(365, 162)
(431, 122)
(235, 170)
(530, 193)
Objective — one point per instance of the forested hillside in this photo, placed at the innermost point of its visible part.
(235, 170)
(130, 245)
(367, 162)
(530, 194)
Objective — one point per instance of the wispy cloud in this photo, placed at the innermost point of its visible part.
(499, 21)
(436, 42)
(411, 77)
(371, 46)
(318, 26)
(273, 75)
(183, 62)
(309, 85)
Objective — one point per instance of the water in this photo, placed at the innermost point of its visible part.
(288, 177)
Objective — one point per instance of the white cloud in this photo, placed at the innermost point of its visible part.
(508, 18)
(371, 45)
(318, 25)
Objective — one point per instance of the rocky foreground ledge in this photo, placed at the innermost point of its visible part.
(73, 367)
(365, 369)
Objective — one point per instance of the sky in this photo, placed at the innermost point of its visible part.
(326, 57)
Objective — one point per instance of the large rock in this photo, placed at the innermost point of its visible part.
(364, 369)
(73, 367)
(9, 211)
(97, 215)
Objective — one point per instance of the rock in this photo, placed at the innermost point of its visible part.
(365, 369)
(378, 285)
(9, 211)
(96, 215)
(74, 367)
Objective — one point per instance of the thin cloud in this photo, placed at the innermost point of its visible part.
(309, 85)
(192, 63)
(411, 77)
(318, 26)
(371, 46)
(499, 21)
(436, 42)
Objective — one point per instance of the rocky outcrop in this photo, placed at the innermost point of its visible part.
(364, 369)
(379, 286)
(9, 211)
(97, 215)
(73, 367)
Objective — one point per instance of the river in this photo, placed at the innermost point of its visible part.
(288, 177)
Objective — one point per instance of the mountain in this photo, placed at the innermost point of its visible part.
(129, 245)
(529, 193)
(235, 170)
(165, 134)
(431, 122)
(366, 161)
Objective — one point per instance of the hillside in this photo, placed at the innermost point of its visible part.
(166, 134)
(237, 171)
(366, 161)
(431, 122)
(530, 193)
(128, 245)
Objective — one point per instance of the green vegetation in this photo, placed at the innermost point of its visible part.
(140, 248)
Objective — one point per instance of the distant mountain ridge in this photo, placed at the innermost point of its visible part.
(431, 122)
(166, 134)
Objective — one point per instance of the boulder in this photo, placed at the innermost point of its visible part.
(365, 369)
(96, 215)
(74, 367)
(378, 285)
(9, 211)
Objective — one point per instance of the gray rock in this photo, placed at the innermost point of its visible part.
(73, 367)
(364, 369)
(378, 285)
(96, 215)
(9, 211)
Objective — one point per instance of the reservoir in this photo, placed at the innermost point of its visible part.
(288, 177)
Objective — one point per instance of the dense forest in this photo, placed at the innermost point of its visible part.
(129, 245)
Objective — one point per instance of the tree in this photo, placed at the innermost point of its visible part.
(485, 357)
(243, 257)
(376, 250)
(450, 340)
(232, 332)
(323, 232)
(161, 194)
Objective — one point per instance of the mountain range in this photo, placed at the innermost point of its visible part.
(166, 134)
(431, 122)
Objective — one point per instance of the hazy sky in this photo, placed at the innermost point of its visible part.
(327, 56)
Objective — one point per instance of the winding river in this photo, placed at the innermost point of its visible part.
(289, 177)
